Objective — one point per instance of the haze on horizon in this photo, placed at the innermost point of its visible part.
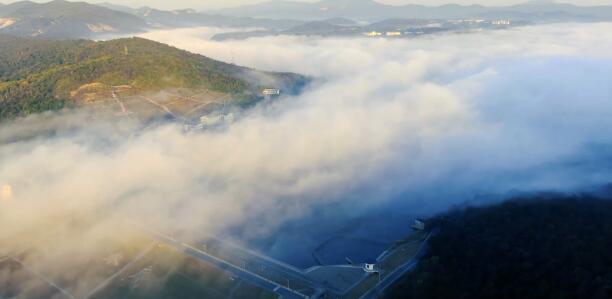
(213, 4)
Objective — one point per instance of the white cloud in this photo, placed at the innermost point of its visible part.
(436, 120)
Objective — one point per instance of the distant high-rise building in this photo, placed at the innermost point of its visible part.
(501, 22)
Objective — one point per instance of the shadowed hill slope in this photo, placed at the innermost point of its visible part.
(550, 246)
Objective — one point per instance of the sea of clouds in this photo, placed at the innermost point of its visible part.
(423, 124)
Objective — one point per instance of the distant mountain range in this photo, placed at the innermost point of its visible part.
(369, 10)
(388, 28)
(61, 19)
(189, 17)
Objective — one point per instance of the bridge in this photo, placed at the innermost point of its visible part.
(288, 281)
(261, 271)
(266, 273)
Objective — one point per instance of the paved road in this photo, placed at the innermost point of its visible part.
(389, 280)
(380, 288)
(237, 271)
(277, 271)
(273, 275)
(124, 112)
(108, 281)
(162, 107)
(45, 279)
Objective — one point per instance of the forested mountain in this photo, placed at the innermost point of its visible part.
(38, 75)
(62, 19)
(546, 246)
(188, 18)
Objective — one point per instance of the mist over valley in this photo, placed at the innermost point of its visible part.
(167, 162)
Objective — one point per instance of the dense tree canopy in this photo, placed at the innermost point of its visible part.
(38, 75)
(551, 246)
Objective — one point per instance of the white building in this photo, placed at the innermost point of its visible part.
(418, 225)
(393, 33)
(216, 120)
(373, 33)
(370, 268)
(501, 22)
(271, 92)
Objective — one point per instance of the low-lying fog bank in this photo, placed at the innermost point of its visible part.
(454, 118)
(398, 128)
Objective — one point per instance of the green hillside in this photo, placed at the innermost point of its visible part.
(40, 75)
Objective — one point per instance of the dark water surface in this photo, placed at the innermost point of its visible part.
(332, 234)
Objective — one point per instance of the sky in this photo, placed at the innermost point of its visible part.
(214, 4)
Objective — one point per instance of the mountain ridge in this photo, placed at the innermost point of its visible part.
(369, 10)
(39, 75)
(62, 19)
